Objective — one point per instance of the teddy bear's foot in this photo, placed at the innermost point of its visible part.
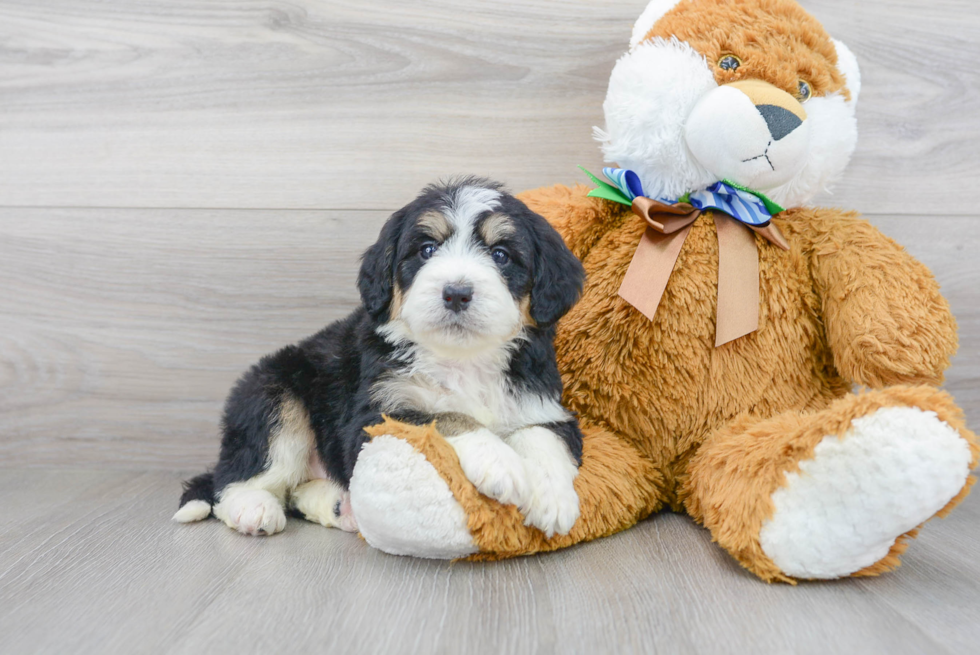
(845, 508)
(833, 492)
(403, 506)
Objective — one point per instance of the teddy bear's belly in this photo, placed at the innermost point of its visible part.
(662, 384)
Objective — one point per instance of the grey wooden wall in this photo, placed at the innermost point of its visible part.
(187, 184)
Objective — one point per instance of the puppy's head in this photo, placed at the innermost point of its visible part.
(465, 268)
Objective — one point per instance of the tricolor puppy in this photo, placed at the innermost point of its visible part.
(460, 297)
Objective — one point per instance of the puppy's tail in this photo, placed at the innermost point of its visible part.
(198, 497)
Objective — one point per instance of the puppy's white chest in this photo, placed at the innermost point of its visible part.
(479, 391)
(474, 391)
(479, 388)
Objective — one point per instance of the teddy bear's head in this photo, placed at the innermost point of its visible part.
(750, 91)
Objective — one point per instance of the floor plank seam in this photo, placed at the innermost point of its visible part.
(946, 215)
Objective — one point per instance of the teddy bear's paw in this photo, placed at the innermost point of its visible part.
(403, 506)
(493, 467)
(844, 509)
(250, 511)
(552, 504)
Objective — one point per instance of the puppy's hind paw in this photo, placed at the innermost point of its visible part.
(345, 515)
(325, 502)
(251, 511)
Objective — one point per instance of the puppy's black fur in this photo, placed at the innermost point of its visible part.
(332, 372)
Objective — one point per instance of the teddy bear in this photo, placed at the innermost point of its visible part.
(768, 367)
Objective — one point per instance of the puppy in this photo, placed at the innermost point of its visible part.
(460, 296)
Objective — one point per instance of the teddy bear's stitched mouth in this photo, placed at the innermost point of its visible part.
(764, 154)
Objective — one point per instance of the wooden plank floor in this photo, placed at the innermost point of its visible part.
(185, 186)
(90, 564)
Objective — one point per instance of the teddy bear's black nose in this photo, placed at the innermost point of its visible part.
(780, 121)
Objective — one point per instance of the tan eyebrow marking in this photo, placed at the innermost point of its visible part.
(496, 227)
(435, 225)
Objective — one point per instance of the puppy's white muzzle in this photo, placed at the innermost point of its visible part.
(749, 132)
(491, 315)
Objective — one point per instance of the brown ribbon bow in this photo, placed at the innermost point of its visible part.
(738, 264)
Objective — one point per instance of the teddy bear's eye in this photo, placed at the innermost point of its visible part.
(804, 91)
(729, 63)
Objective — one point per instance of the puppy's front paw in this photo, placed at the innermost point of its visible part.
(492, 466)
(251, 511)
(552, 505)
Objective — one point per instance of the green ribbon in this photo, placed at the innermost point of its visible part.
(615, 194)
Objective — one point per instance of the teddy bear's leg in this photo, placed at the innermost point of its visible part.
(410, 497)
(834, 492)
(400, 502)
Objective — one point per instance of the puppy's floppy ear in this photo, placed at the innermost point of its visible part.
(558, 274)
(376, 278)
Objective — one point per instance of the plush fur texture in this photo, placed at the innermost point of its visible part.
(727, 434)
(674, 117)
(832, 519)
(432, 525)
(461, 293)
(653, 12)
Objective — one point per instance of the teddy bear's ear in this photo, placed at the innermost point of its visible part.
(848, 65)
(654, 12)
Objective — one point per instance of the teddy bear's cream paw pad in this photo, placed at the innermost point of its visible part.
(494, 468)
(402, 504)
(251, 511)
(844, 509)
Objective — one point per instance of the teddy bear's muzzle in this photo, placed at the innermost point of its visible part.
(749, 132)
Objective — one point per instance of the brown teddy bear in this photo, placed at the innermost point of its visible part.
(712, 357)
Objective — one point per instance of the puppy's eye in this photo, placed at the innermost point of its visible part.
(729, 63)
(427, 250)
(500, 256)
(803, 91)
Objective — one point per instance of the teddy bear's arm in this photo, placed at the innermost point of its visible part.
(886, 321)
(579, 219)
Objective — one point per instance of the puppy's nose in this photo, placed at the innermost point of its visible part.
(457, 297)
(779, 120)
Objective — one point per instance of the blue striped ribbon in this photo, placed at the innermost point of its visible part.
(739, 203)
(626, 181)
